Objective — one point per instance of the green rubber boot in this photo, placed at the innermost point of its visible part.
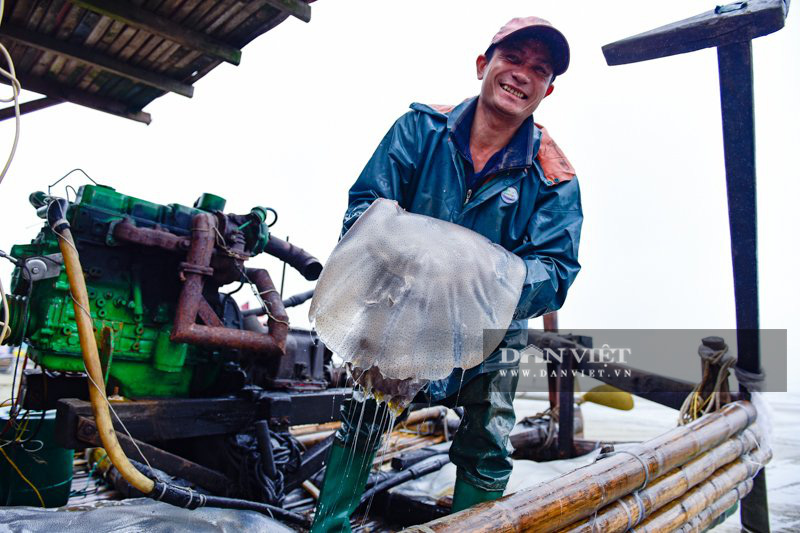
(342, 488)
(466, 495)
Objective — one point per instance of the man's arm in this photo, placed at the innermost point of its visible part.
(550, 250)
(388, 172)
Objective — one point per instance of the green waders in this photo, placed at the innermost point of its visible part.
(480, 449)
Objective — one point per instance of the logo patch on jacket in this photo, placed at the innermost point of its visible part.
(510, 195)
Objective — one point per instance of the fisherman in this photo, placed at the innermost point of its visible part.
(483, 164)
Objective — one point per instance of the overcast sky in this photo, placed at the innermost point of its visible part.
(294, 124)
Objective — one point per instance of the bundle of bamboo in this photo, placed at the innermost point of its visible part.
(687, 508)
(579, 494)
(706, 517)
(627, 512)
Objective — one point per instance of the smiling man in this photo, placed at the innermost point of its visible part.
(485, 165)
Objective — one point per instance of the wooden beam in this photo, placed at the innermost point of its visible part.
(166, 419)
(28, 107)
(174, 465)
(148, 21)
(737, 22)
(296, 8)
(664, 390)
(95, 59)
(76, 96)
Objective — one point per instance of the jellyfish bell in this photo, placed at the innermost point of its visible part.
(406, 298)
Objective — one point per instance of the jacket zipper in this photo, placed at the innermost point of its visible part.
(469, 193)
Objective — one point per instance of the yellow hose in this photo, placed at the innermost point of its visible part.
(97, 389)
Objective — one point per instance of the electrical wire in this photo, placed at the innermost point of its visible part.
(11, 76)
(6, 331)
(62, 178)
(26, 480)
(15, 399)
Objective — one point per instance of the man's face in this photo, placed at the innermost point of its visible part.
(516, 78)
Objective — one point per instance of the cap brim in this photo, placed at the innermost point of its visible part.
(555, 40)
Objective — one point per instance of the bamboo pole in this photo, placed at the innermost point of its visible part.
(578, 494)
(312, 434)
(707, 516)
(684, 509)
(297, 431)
(626, 512)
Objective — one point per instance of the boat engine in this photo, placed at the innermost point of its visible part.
(153, 274)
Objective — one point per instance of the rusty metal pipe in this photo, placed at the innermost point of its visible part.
(278, 321)
(127, 231)
(195, 268)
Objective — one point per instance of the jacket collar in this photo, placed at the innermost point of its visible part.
(521, 149)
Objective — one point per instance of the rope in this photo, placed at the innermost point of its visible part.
(636, 496)
(749, 380)
(552, 413)
(694, 406)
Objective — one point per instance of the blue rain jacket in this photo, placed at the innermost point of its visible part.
(533, 215)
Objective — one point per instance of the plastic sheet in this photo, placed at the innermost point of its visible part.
(412, 295)
(137, 515)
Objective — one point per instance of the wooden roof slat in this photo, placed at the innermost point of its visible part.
(69, 23)
(222, 18)
(87, 79)
(67, 71)
(28, 107)
(36, 16)
(133, 44)
(84, 27)
(55, 67)
(51, 16)
(98, 31)
(144, 50)
(296, 8)
(159, 52)
(160, 58)
(21, 10)
(42, 64)
(54, 90)
(198, 13)
(121, 41)
(85, 55)
(241, 16)
(184, 10)
(110, 36)
(168, 8)
(143, 19)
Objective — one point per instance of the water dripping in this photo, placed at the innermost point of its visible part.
(460, 383)
(392, 417)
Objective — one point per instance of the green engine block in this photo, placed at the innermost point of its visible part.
(133, 291)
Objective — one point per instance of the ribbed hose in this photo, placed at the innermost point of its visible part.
(97, 390)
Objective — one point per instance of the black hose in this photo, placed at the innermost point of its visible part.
(291, 301)
(189, 499)
(308, 265)
(425, 467)
(265, 448)
(298, 299)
